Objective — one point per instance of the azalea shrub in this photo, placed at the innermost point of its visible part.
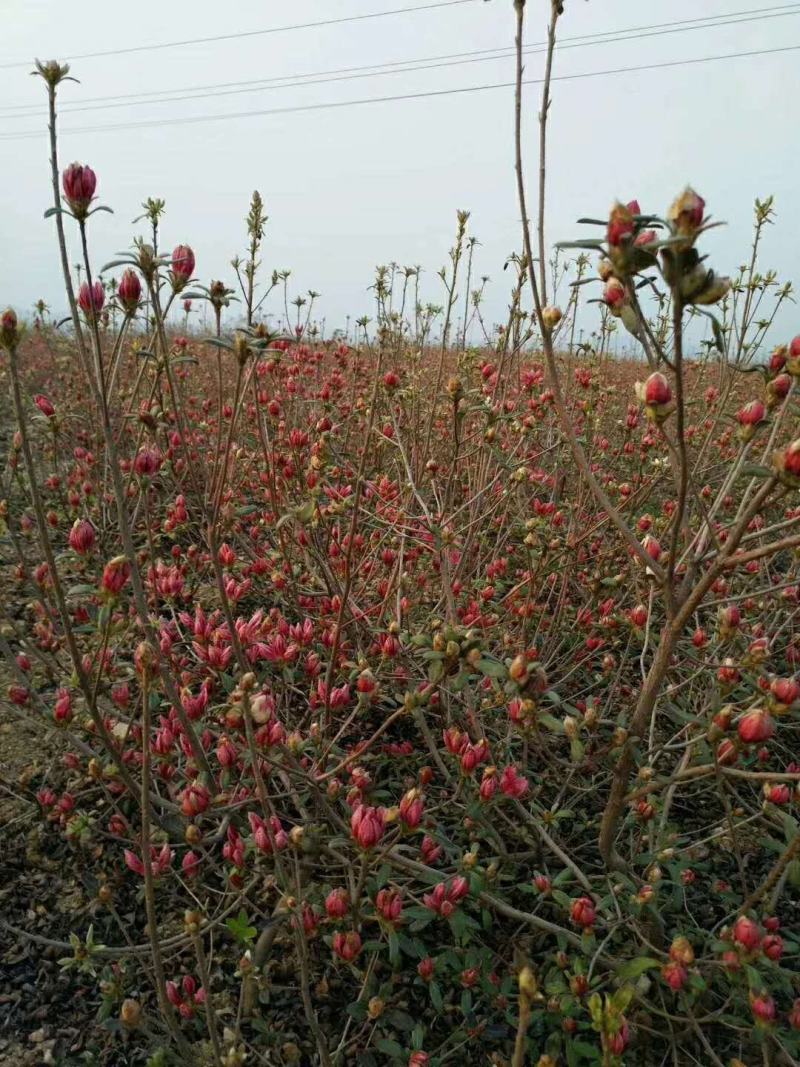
(417, 700)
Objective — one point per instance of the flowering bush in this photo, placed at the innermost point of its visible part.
(405, 685)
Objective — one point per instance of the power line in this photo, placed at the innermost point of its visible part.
(252, 33)
(410, 65)
(334, 104)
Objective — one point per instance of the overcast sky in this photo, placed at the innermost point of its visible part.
(349, 188)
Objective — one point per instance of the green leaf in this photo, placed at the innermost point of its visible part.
(436, 997)
(755, 470)
(637, 967)
(391, 1048)
(126, 262)
(240, 928)
(394, 947)
(435, 671)
(401, 1020)
(357, 1010)
(592, 244)
(492, 668)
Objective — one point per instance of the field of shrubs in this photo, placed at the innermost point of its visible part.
(405, 701)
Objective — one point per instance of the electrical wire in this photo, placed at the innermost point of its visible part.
(321, 77)
(404, 66)
(337, 104)
(252, 33)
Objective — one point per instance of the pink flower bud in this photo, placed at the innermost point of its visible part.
(337, 903)
(652, 547)
(772, 946)
(147, 461)
(91, 298)
(657, 390)
(746, 933)
(347, 946)
(183, 264)
(190, 864)
(785, 690)
(583, 912)
(763, 1008)
(789, 460)
(82, 537)
(513, 784)
(618, 1042)
(115, 575)
(675, 975)
(62, 711)
(756, 726)
(367, 825)
(459, 888)
(411, 808)
(44, 405)
(614, 293)
(129, 291)
(389, 905)
(751, 414)
(79, 183)
(779, 794)
(133, 863)
(620, 224)
(542, 883)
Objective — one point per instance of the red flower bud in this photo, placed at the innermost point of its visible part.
(785, 690)
(91, 298)
(614, 293)
(747, 933)
(147, 461)
(751, 414)
(675, 975)
(772, 946)
(82, 536)
(779, 794)
(657, 390)
(115, 575)
(756, 726)
(129, 291)
(620, 224)
(583, 912)
(367, 825)
(79, 183)
(347, 946)
(337, 903)
(183, 264)
(44, 405)
(763, 1007)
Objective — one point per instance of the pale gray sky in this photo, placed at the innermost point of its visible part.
(352, 187)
